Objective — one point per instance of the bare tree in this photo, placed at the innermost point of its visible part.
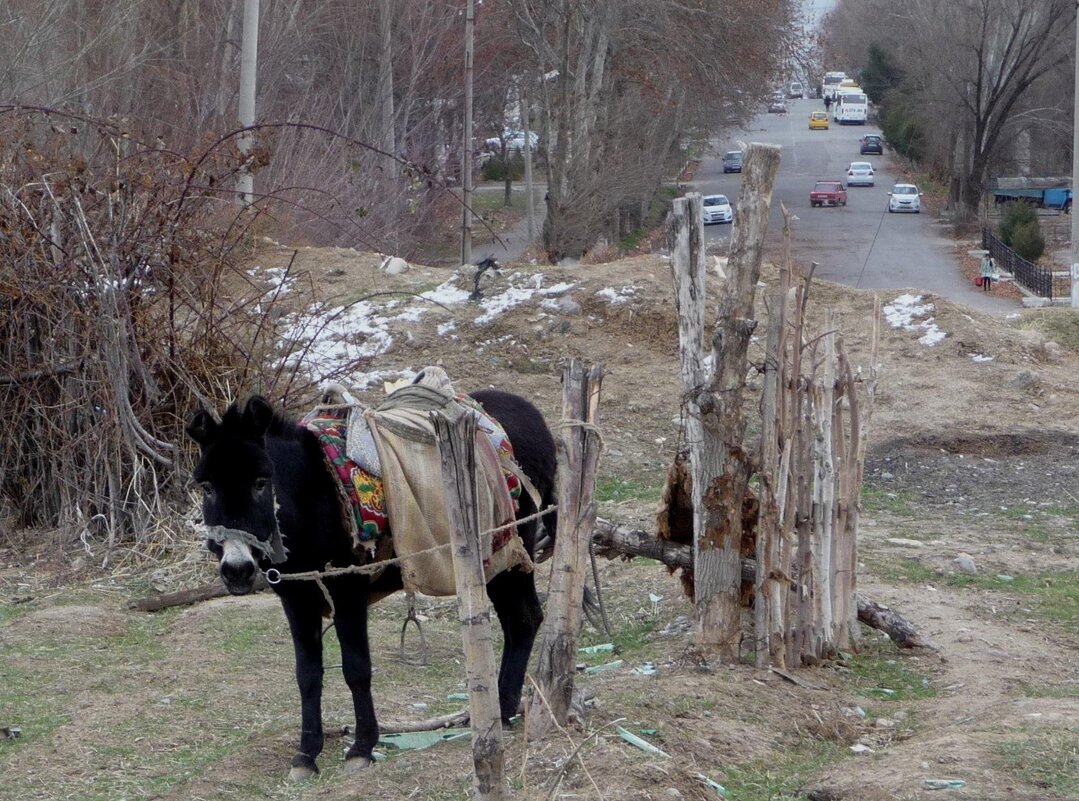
(971, 69)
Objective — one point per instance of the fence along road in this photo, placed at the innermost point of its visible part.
(860, 244)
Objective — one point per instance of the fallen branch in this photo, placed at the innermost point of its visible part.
(612, 540)
(215, 589)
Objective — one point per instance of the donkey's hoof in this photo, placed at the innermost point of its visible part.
(303, 768)
(357, 763)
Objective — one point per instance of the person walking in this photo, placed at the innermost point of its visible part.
(988, 272)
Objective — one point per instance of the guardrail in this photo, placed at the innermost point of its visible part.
(1035, 278)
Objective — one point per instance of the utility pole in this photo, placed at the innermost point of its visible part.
(466, 156)
(249, 51)
(1075, 170)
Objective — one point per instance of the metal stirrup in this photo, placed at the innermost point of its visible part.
(411, 617)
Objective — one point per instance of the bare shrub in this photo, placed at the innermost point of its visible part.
(124, 304)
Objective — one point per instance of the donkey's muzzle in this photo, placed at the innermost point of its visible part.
(239, 577)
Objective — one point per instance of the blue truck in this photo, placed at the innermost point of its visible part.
(1057, 197)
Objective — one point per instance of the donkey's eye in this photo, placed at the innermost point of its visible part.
(206, 487)
(261, 484)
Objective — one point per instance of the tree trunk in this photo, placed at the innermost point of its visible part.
(724, 470)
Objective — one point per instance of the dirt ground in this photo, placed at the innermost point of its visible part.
(973, 451)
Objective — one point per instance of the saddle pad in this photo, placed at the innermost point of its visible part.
(362, 495)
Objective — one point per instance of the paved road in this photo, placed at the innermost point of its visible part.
(859, 244)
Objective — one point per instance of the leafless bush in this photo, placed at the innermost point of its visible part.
(124, 304)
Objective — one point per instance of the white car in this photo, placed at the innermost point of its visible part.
(717, 209)
(860, 173)
(905, 197)
(515, 140)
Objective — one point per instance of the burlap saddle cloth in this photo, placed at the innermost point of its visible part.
(390, 473)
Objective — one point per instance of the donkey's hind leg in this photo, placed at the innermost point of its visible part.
(513, 595)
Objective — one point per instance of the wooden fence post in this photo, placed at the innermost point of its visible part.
(456, 447)
(578, 457)
(717, 574)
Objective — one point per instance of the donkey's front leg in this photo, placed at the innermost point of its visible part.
(303, 608)
(351, 625)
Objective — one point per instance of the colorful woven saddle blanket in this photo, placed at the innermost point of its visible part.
(344, 432)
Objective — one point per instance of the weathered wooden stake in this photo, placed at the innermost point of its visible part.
(579, 448)
(456, 447)
(723, 483)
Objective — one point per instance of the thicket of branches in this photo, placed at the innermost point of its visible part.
(970, 89)
(612, 87)
(124, 304)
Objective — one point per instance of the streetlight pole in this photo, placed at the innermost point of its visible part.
(1075, 170)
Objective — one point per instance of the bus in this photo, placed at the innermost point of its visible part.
(851, 108)
(831, 84)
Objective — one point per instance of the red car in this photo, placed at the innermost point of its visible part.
(828, 193)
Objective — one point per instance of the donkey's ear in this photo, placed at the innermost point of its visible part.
(201, 427)
(257, 415)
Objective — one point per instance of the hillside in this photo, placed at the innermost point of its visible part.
(973, 448)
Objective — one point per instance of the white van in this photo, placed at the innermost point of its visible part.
(831, 82)
(795, 90)
(851, 108)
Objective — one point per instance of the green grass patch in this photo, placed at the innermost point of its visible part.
(1047, 759)
(1052, 596)
(905, 569)
(611, 489)
(1056, 324)
(901, 503)
(634, 639)
(9, 612)
(1050, 690)
(783, 775)
(28, 704)
(878, 674)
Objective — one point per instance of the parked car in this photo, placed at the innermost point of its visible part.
(818, 120)
(732, 161)
(905, 197)
(778, 107)
(717, 209)
(515, 140)
(828, 193)
(871, 143)
(860, 173)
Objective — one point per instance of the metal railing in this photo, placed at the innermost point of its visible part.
(1037, 279)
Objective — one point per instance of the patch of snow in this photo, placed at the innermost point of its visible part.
(279, 281)
(445, 328)
(904, 311)
(335, 336)
(446, 293)
(558, 289)
(980, 357)
(617, 297)
(498, 304)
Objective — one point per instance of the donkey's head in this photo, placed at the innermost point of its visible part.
(235, 475)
